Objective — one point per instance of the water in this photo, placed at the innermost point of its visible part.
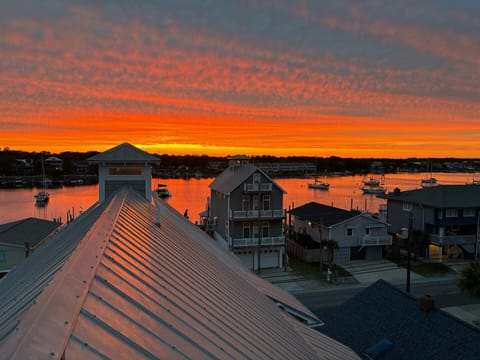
(192, 194)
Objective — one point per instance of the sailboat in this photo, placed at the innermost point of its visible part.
(429, 181)
(42, 196)
(317, 184)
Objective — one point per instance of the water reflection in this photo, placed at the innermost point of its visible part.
(192, 194)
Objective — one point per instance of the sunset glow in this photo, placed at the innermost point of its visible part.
(227, 77)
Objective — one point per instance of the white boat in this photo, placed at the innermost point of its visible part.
(42, 197)
(371, 182)
(162, 191)
(375, 189)
(319, 185)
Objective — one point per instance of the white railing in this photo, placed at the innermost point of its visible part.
(452, 239)
(255, 241)
(257, 214)
(369, 240)
(257, 187)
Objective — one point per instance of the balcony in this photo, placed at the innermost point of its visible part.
(257, 214)
(265, 187)
(369, 240)
(452, 239)
(254, 241)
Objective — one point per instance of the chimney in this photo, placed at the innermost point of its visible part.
(426, 303)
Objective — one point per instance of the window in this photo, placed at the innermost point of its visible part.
(125, 171)
(440, 214)
(2, 256)
(407, 207)
(451, 213)
(468, 212)
(246, 230)
(265, 229)
(256, 178)
(350, 232)
(245, 202)
(266, 202)
(367, 231)
(255, 230)
(255, 202)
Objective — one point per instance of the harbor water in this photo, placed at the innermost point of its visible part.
(192, 194)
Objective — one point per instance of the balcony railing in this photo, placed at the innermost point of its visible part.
(254, 241)
(452, 239)
(369, 240)
(257, 214)
(265, 187)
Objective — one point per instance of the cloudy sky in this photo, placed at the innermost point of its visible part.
(321, 78)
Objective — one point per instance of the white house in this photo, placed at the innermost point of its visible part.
(358, 235)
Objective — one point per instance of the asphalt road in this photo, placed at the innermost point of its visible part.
(444, 292)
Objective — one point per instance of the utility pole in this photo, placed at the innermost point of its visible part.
(409, 241)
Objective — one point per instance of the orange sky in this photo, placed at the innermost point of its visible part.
(269, 78)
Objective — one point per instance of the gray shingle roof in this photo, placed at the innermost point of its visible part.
(318, 213)
(31, 230)
(124, 153)
(229, 179)
(441, 196)
(383, 311)
(113, 284)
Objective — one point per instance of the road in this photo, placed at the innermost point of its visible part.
(444, 291)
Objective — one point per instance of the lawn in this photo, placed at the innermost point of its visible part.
(426, 268)
(312, 270)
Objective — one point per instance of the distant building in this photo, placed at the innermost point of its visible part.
(53, 163)
(19, 239)
(246, 213)
(358, 235)
(447, 214)
(124, 165)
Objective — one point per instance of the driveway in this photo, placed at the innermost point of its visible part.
(369, 271)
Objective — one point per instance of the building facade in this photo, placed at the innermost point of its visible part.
(357, 235)
(448, 215)
(124, 165)
(246, 215)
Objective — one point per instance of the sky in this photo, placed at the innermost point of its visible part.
(205, 77)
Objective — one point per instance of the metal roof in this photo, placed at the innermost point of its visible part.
(230, 179)
(124, 153)
(441, 196)
(115, 284)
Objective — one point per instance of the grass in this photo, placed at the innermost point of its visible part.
(312, 270)
(425, 268)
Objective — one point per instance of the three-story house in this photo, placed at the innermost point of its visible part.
(246, 215)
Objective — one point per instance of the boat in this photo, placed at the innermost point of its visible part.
(162, 191)
(371, 182)
(431, 181)
(374, 186)
(42, 197)
(319, 185)
(374, 189)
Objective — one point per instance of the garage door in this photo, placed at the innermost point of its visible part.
(269, 259)
(247, 259)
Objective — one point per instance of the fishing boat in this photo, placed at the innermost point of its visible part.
(320, 185)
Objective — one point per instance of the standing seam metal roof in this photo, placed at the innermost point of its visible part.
(132, 289)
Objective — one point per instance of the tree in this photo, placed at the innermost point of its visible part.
(470, 279)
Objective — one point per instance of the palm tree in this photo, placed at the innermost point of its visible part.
(470, 279)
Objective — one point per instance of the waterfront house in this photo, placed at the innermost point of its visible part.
(448, 216)
(54, 164)
(357, 235)
(245, 214)
(123, 165)
(132, 280)
(19, 239)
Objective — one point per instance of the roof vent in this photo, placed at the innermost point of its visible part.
(426, 303)
(378, 349)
